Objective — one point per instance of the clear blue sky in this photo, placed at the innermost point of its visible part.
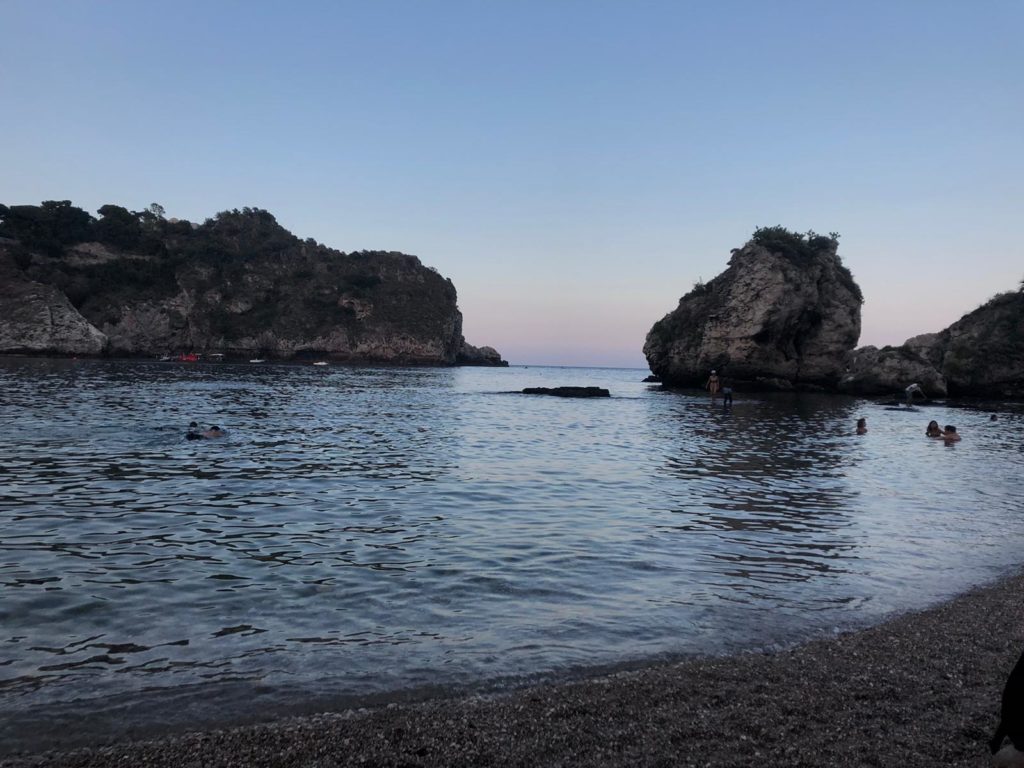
(573, 166)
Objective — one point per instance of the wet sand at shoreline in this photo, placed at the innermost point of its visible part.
(920, 690)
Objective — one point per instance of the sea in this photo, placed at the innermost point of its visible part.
(368, 535)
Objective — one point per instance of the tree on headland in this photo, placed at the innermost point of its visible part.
(118, 227)
(47, 227)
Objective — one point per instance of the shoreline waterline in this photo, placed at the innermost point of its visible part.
(921, 688)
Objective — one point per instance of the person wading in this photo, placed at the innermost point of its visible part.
(713, 385)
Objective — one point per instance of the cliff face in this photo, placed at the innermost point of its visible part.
(39, 318)
(239, 285)
(980, 355)
(785, 313)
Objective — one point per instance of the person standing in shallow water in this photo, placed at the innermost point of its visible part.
(713, 385)
(862, 426)
(726, 394)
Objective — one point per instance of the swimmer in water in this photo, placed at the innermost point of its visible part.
(862, 426)
(207, 434)
(949, 435)
(933, 430)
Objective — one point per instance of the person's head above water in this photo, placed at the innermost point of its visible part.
(933, 428)
(192, 425)
(950, 428)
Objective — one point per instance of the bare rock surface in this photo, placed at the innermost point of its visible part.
(890, 370)
(919, 691)
(37, 318)
(485, 356)
(784, 314)
(926, 345)
(980, 355)
(983, 352)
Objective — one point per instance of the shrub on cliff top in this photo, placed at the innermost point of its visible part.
(793, 245)
(803, 248)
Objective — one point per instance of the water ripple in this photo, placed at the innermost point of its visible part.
(361, 530)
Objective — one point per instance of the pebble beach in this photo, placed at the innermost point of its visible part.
(921, 689)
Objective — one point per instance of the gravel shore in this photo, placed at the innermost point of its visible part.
(920, 690)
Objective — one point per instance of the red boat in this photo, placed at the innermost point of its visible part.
(190, 357)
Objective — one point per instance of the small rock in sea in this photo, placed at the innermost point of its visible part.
(652, 379)
(568, 391)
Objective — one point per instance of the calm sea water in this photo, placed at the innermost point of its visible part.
(366, 531)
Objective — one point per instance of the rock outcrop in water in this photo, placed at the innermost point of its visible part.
(889, 370)
(568, 391)
(980, 355)
(135, 283)
(784, 314)
(470, 355)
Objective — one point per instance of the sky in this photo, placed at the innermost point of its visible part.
(574, 166)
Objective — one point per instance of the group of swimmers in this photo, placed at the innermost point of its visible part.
(194, 433)
(947, 433)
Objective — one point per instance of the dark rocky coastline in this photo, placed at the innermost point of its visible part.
(922, 689)
(134, 284)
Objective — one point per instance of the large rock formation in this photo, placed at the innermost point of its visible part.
(785, 313)
(470, 355)
(240, 285)
(888, 371)
(980, 355)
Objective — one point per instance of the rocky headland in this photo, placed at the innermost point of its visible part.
(785, 315)
(240, 285)
(980, 355)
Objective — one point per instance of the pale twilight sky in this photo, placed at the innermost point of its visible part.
(573, 166)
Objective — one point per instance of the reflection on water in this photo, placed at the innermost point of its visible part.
(365, 530)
